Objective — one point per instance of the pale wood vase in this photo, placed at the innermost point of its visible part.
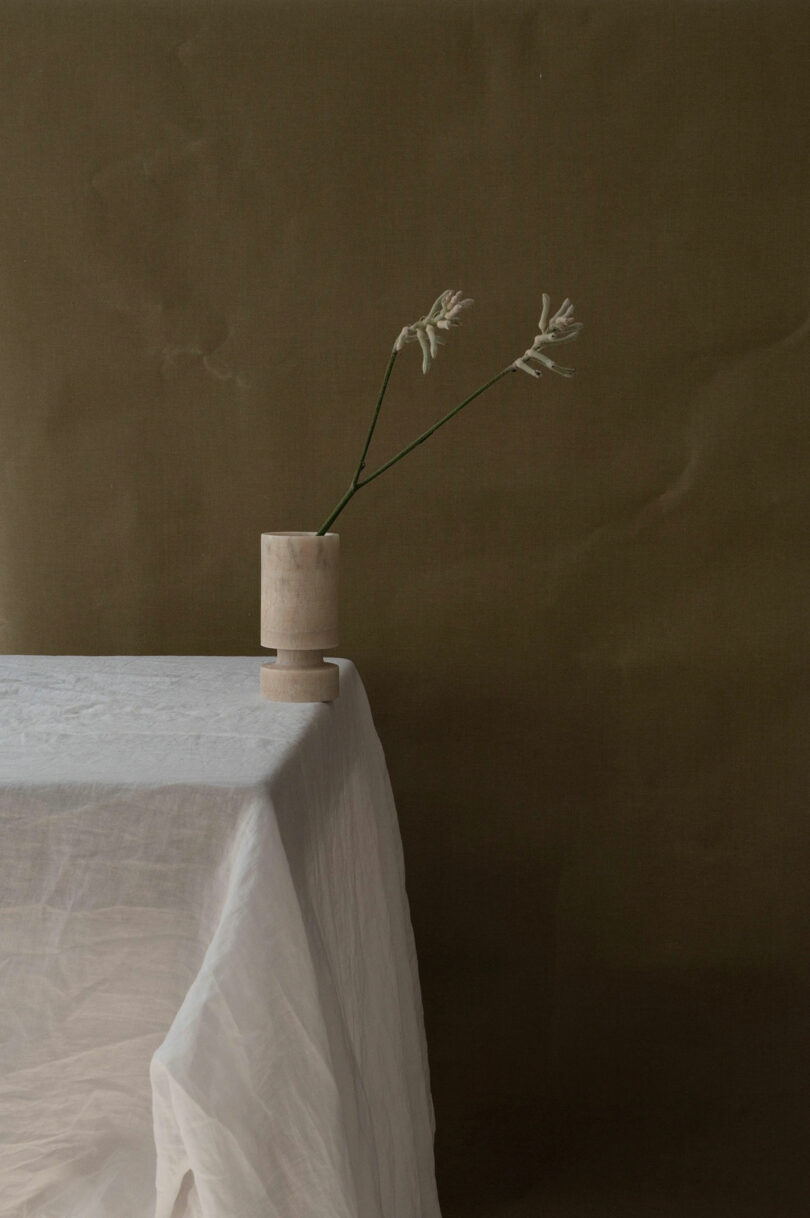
(300, 616)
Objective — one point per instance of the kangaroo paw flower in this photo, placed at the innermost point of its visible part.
(443, 315)
(560, 328)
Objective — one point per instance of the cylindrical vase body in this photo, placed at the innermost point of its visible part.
(299, 591)
(299, 616)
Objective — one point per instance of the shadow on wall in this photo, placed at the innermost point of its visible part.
(672, 1092)
(615, 1019)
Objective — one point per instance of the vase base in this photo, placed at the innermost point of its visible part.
(320, 683)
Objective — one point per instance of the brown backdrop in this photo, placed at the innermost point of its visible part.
(580, 610)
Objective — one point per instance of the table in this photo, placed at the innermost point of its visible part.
(209, 997)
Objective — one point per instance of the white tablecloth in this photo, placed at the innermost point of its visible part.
(209, 1000)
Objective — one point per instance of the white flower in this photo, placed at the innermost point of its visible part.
(443, 314)
(559, 329)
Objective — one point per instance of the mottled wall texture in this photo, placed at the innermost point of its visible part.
(580, 610)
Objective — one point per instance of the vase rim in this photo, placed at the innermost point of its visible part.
(296, 533)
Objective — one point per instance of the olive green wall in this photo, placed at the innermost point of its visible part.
(580, 610)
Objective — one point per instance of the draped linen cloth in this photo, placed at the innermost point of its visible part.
(209, 997)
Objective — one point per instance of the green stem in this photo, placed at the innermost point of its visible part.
(332, 517)
(425, 434)
(361, 463)
(353, 486)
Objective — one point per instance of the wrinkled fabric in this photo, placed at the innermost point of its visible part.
(209, 997)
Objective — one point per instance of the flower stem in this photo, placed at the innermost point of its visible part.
(336, 511)
(425, 434)
(353, 486)
(361, 463)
